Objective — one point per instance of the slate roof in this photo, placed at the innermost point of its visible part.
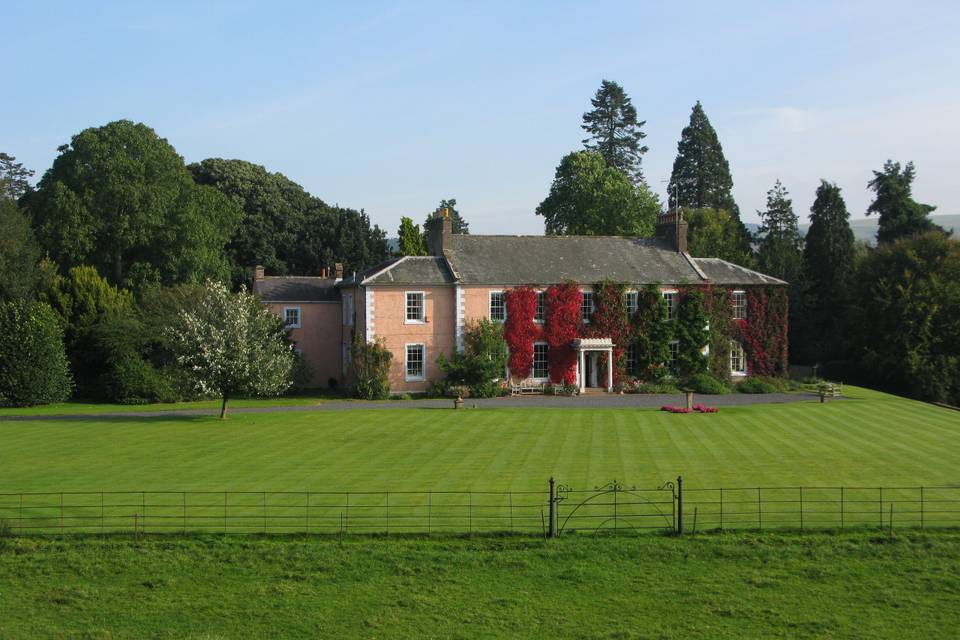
(553, 259)
(418, 270)
(296, 289)
(722, 272)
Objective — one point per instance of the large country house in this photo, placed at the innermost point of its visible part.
(419, 306)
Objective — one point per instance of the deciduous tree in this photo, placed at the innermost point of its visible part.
(33, 364)
(589, 197)
(715, 233)
(411, 240)
(231, 344)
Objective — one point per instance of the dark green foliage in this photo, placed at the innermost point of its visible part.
(457, 223)
(614, 130)
(119, 198)
(908, 309)
(900, 215)
(828, 264)
(652, 333)
(779, 254)
(706, 384)
(19, 253)
(33, 364)
(755, 385)
(411, 239)
(284, 228)
(588, 197)
(14, 178)
(693, 334)
(701, 175)
(722, 331)
(715, 233)
(370, 363)
(122, 343)
(481, 364)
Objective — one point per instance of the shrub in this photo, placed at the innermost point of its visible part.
(706, 384)
(755, 385)
(33, 362)
(135, 381)
(301, 374)
(655, 387)
(371, 369)
(482, 363)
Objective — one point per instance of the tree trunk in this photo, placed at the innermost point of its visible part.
(223, 407)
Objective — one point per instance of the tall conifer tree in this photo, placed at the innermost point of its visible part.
(900, 215)
(779, 237)
(411, 239)
(614, 130)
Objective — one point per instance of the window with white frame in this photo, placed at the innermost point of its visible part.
(498, 306)
(738, 359)
(632, 302)
(416, 357)
(348, 309)
(415, 306)
(631, 357)
(586, 306)
(541, 360)
(674, 352)
(291, 317)
(541, 311)
(670, 297)
(739, 303)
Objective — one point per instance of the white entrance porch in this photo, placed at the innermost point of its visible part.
(592, 348)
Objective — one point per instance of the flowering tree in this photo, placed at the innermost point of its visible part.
(231, 344)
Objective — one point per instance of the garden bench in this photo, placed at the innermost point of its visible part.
(525, 387)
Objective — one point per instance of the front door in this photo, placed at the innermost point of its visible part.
(592, 361)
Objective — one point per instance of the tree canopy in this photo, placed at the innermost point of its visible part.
(14, 177)
(779, 238)
(119, 198)
(715, 233)
(589, 197)
(701, 175)
(614, 130)
(19, 253)
(284, 228)
(411, 240)
(900, 215)
(458, 224)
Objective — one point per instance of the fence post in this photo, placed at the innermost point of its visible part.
(721, 508)
(307, 525)
(891, 519)
(921, 507)
(759, 511)
(184, 512)
(881, 507)
(61, 513)
(430, 512)
(552, 530)
(680, 505)
(841, 507)
(801, 508)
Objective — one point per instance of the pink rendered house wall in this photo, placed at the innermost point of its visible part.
(317, 338)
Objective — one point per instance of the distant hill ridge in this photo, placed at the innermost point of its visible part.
(866, 228)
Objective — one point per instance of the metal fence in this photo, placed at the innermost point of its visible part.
(555, 510)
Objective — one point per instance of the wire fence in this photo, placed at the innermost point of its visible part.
(555, 510)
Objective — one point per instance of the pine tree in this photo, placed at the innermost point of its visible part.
(701, 175)
(458, 224)
(411, 239)
(779, 237)
(614, 130)
(14, 177)
(828, 262)
(900, 215)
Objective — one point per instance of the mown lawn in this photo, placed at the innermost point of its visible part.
(871, 439)
(80, 407)
(717, 586)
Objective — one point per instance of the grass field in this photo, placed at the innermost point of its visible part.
(871, 439)
(863, 586)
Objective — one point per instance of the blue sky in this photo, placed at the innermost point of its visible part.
(392, 106)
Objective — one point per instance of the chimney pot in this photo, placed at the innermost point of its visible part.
(338, 271)
(258, 272)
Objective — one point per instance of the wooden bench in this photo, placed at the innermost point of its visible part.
(830, 389)
(525, 387)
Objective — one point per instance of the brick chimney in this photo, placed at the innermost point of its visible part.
(338, 271)
(672, 228)
(258, 272)
(439, 230)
